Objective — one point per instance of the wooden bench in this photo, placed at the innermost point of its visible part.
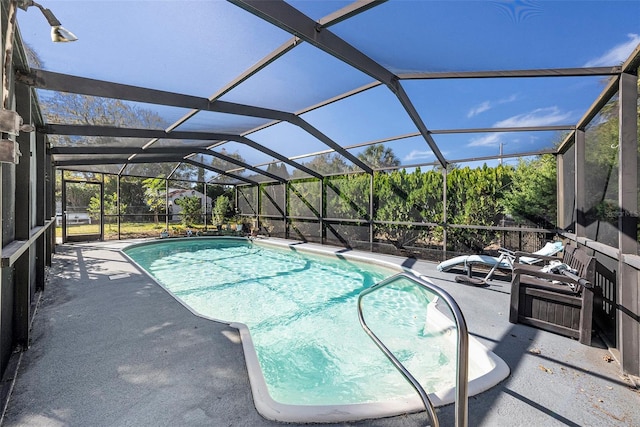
(565, 308)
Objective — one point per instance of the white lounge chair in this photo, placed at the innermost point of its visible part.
(504, 261)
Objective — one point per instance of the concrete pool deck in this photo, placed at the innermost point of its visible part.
(110, 347)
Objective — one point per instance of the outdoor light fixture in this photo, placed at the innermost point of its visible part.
(11, 123)
(58, 32)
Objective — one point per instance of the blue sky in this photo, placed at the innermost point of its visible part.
(197, 47)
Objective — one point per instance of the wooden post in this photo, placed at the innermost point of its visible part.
(628, 277)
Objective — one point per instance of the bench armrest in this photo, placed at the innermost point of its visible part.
(565, 277)
(577, 279)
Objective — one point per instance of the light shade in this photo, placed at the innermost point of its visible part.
(58, 33)
(61, 34)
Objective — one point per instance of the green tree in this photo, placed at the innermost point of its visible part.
(224, 165)
(278, 169)
(155, 196)
(407, 197)
(475, 197)
(110, 206)
(215, 191)
(532, 195)
(79, 195)
(305, 198)
(132, 193)
(378, 156)
(348, 196)
(325, 164)
(191, 208)
(601, 182)
(221, 210)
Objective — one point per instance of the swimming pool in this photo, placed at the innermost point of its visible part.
(308, 358)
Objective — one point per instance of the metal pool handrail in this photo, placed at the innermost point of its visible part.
(462, 364)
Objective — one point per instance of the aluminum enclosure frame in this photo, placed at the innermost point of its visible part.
(29, 210)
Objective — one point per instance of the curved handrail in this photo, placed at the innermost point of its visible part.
(462, 364)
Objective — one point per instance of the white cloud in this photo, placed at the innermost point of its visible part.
(491, 140)
(538, 117)
(616, 55)
(509, 99)
(486, 105)
(418, 155)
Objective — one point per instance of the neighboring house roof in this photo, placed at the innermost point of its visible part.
(177, 193)
(181, 192)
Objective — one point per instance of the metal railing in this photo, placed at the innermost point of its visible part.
(462, 365)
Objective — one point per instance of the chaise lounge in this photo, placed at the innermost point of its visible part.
(505, 261)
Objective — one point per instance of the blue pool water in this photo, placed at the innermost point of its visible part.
(301, 310)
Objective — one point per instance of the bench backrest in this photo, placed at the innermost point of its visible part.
(584, 264)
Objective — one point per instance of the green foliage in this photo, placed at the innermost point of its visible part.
(191, 208)
(79, 195)
(155, 196)
(377, 156)
(94, 207)
(132, 193)
(475, 197)
(272, 198)
(533, 196)
(223, 165)
(601, 184)
(325, 164)
(408, 197)
(304, 198)
(278, 169)
(110, 205)
(348, 196)
(221, 210)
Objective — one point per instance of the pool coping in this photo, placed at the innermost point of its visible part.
(274, 410)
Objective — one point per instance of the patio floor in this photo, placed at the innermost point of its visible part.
(110, 347)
